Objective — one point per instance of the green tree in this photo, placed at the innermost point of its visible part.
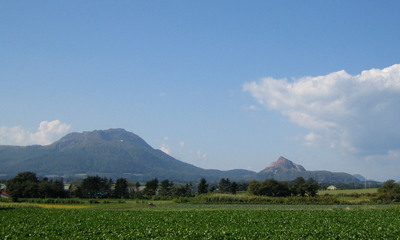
(44, 188)
(183, 190)
(137, 186)
(121, 188)
(202, 187)
(311, 187)
(233, 187)
(24, 185)
(274, 188)
(95, 187)
(254, 187)
(224, 185)
(165, 187)
(269, 187)
(298, 187)
(390, 191)
(151, 187)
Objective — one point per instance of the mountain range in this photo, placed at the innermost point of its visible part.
(117, 153)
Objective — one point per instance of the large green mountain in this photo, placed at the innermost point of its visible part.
(112, 153)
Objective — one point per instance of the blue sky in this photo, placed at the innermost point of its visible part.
(218, 84)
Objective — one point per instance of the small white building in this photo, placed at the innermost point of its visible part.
(331, 187)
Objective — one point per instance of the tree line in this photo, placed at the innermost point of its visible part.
(28, 185)
(273, 188)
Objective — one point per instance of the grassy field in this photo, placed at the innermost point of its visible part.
(348, 191)
(189, 221)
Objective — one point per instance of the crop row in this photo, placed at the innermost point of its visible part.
(199, 224)
(65, 200)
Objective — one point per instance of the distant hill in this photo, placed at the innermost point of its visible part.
(360, 177)
(285, 170)
(112, 153)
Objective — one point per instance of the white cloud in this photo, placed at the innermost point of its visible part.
(47, 133)
(166, 138)
(182, 143)
(358, 114)
(252, 107)
(165, 148)
(201, 155)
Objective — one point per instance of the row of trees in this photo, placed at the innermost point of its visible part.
(274, 188)
(97, 187)
(27, 185)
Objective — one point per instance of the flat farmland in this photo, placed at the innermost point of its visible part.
(199, 223)
(348, 191)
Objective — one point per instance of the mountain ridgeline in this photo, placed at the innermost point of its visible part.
(117, 153)
(111, 153)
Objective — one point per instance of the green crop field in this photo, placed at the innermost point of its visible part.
(199, 222)
(348, 191)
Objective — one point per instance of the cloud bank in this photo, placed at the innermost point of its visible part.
(358, 114)
(47, 133)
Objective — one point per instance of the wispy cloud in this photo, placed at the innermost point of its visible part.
(165, 148)
(47, 133)
(356, 113)
(182, 143)
(252, 107)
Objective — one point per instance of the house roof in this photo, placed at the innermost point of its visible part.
(2, 192)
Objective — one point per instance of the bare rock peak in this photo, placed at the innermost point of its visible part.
(286, 164)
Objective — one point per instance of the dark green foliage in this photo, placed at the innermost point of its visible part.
(151, 187)
(224, 185)
(273, 188)
(312, 187)
(242, 186)
(121, 188)
(213, 188)
(184, 190)
(233, 187)
(269, 187)
(299, 187)
(51, 189)
(390, 191)
(202, 187)
(137, 186)
(27, 185)
(254, 187)
(24, 185)
(165, 187)
(95, 187)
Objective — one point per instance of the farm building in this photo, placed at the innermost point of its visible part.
(3, 194)
(331, 187)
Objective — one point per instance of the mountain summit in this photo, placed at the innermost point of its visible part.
(286, 164)
(112, 153)
(117, 135)
(285, 170)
